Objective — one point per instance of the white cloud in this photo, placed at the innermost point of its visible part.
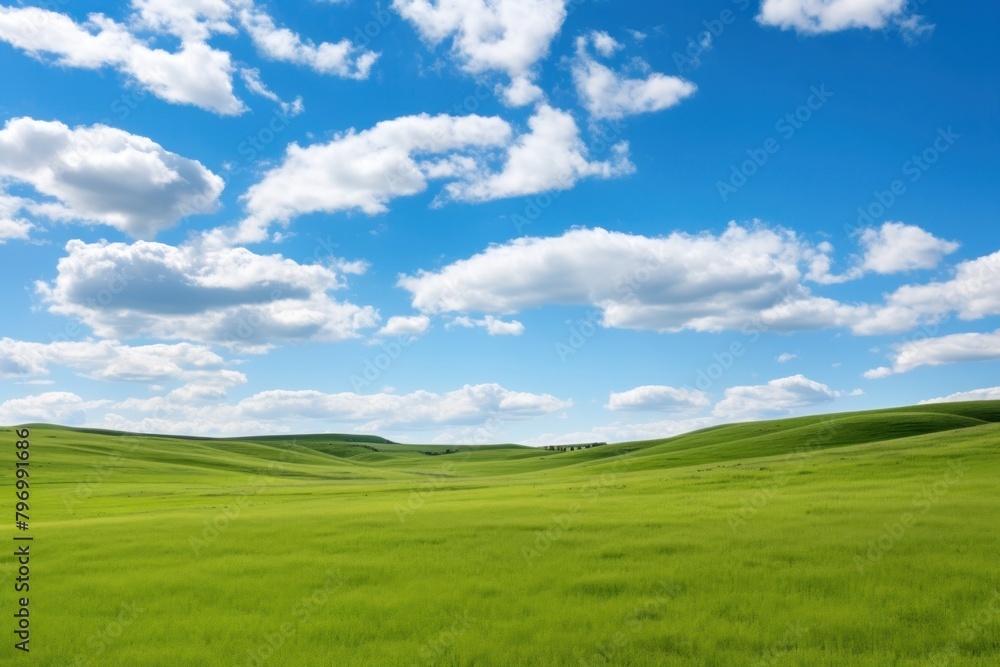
(898, 247)
(819, 16)
(604, 44)
(472, 404)
(191, 20)
(971, 293)
(197, 369)
(744, 277)
(497, 327)
(549, 157)
(507, 36)
(194, 74)
(340, 58)
(364, 170)
(625, 432)
(609, 94)
(58, 407)
(108, 360)
(747, 277)
(493, 325)
(785, 357)
(657, 397)
(229, 296)
(272, 411)
(990, 394)
(941, 351)
(779, 396)
(251, 79)
(400, 325)
(99, 174)
(520, 92)
(201, 388)
(12, 226)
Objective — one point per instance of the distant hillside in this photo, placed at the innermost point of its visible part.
(368, 456)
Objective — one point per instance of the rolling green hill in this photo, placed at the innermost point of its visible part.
(849, 539)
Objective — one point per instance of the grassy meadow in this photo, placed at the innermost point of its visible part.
(852, 539)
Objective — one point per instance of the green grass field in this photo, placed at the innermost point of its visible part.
(853, 539)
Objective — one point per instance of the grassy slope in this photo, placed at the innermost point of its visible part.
(858, 539)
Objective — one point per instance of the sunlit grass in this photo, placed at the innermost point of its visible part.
(866, 539)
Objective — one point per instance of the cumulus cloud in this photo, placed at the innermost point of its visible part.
(251, 79)
(748, 277)
(990, 394)
(785, 357)
(779, 396)
(493, 325)
(551, 156)
(657, 397)
(59, 407)
(941, 351)
(364, 170)
(507, 36)
(971, 294)
(704, 282)
(340, 58)
(625, 432)
(229, 296)
(13, 227)
(607, 94)
(471, 404)
(102, 175)
(821, 16)
(520, 92)
(400, 325)
(272, 411)
(200, 388)
(194, 74)
(108, 360)
(898, 247)
(191, 21)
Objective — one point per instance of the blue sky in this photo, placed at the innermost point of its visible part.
(525, 220)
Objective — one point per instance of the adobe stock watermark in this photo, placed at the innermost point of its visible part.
(365, 34)
(436, 647)
(787, 127)
(380, 362)
(723, 362)
(627, 286)
(972, 627)
(794, 631)
(608, 133)
(580, 331)
(418, 497)
(753, 503)
(907, 21)
(912, 171)
(894, 532)
(98, 473)
(244, 328)
(560, 524)
(252, 148)
(115, 283)
(612, 650)
(299, 616)
(702, 42)
(99, 642)
(214, 528)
